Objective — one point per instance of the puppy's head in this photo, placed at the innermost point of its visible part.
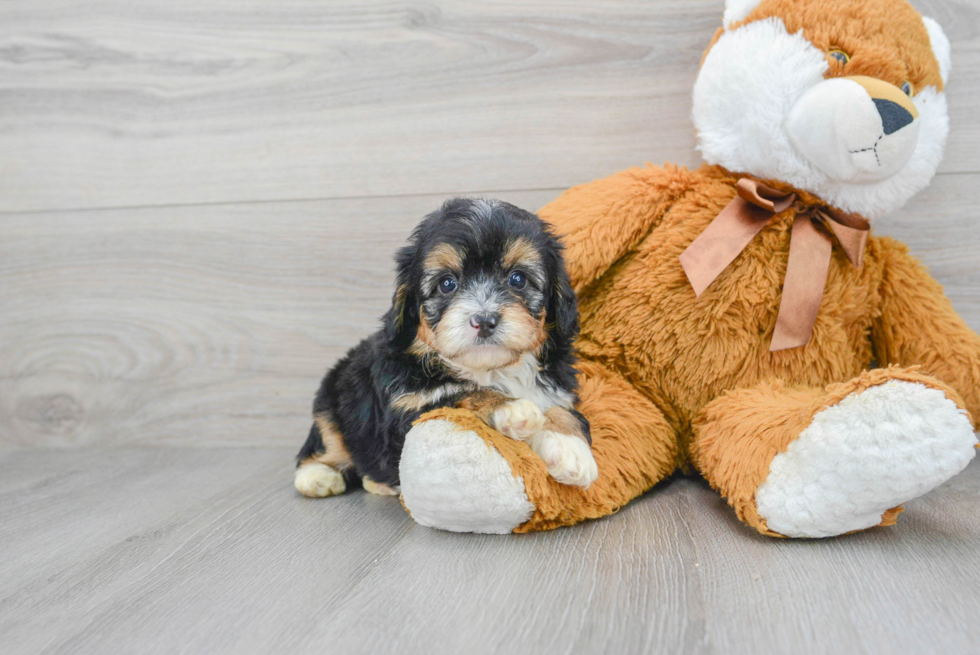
(481, 283)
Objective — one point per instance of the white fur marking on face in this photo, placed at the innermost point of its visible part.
(569, 459)
(319, 481)
(518, 419)
(838, 128)
(452, 480)
(940, 47)
(738, 10)
(751, 79)
(875, 450)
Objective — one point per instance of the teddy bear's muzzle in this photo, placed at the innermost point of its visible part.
(854, 129)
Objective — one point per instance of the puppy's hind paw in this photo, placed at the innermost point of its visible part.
(568, 458)
(378, 488)
(518, 419)
(319, 481)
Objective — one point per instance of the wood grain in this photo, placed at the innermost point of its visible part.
(212, 551)
(207, 325)
(211, 325)
(112, 103)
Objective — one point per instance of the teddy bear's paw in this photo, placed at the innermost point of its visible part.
(318, 480)
(453, 480)
(568, 458)
(875, 450)
(518, 419)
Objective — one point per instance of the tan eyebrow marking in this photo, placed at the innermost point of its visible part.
(521, 252)
(443, 257)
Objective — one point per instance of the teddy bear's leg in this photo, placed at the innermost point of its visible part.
(808, 462)
(458, 474)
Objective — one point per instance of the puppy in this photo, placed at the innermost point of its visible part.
(483, 318)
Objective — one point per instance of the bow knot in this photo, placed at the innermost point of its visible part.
(809, 252)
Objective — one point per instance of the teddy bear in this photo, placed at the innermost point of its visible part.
(741, 320)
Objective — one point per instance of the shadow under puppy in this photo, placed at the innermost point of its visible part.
(483, 318)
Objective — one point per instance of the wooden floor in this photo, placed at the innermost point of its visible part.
(180, 550)
(199, 201)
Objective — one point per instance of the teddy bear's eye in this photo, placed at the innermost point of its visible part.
(907, 88)
(840, 56)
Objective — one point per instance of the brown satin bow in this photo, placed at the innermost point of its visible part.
(809, 252)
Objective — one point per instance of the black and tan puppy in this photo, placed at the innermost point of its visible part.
(483, 317)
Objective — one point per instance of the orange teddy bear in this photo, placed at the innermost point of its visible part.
(733, 316)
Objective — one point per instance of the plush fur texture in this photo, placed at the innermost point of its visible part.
(872, 452)
(449, 459)
(671, 381)
(759, 69)
(483, 317)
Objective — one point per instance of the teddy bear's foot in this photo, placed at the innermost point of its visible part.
(459, 474)
(453, 480)
(809, 462)
(875, 450)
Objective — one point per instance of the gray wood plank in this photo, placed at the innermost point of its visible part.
(211, 325)
(193, 325)
(211, 556)
(111, 103)
(248, 566)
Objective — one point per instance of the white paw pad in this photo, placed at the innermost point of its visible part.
(875, 450)
(319, 481)
(568, 458)
(518, 419)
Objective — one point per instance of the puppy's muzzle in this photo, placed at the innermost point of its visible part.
(485, 324)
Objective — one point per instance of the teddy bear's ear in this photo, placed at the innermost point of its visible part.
(736, 10)
(940, 46)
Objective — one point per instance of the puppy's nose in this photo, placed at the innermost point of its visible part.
(893, 115)
(485, 324)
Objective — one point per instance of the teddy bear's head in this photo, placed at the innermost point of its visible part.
(841, 98)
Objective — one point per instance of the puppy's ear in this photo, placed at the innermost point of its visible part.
(562, 313)
(402, 320)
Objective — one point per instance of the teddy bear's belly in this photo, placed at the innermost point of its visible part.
(644, 321)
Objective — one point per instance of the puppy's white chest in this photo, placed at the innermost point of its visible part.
(521, 381)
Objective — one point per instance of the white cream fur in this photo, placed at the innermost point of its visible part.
(940, 47)
(518, 419)
(568, 459)
(875, 450)
(519, 380)
(737, 10)
(749, 82)
(452, 480)
(318, 480)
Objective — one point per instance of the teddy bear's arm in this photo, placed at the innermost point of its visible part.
(600, 221)
(918, 325)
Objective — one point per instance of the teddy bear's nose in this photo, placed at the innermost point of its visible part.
(893, 115)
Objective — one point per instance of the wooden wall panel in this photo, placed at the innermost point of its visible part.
(119, 103)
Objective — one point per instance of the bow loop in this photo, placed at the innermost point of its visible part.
(809, 254)
(764, 196)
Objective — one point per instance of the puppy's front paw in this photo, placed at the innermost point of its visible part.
(318, 480)
(518, 419)
(569, 459)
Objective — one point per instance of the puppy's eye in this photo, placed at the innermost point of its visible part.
(907, 88)
(841, 56)
(447, 285)
(517, 280)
